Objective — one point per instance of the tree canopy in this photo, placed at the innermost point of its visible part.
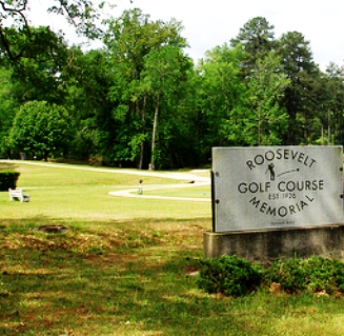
(41, 129)
(83, 15)
(140, 101)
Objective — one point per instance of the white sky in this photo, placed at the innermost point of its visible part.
(208, 23)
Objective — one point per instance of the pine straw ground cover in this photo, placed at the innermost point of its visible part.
(115, 276)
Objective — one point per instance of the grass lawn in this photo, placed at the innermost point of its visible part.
(122, 266)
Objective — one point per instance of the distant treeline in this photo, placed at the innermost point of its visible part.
(140, 101)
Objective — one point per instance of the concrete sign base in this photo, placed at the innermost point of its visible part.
(264, 246)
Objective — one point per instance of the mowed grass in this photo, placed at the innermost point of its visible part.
(61, 191)
(123, 266)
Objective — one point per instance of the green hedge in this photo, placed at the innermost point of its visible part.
(229, 275)
(235, 276)
(8, 179)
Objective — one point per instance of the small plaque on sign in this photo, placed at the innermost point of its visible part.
(263, 188)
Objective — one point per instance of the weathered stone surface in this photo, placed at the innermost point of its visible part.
(264, 246)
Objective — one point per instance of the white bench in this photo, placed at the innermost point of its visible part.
(18, 195)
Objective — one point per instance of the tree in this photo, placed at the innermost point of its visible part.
(267, 122)
(29, 79)
(41, 129)
(222, 96)
(82, 14)
(87, 79)
(8, 108)
(332, 94)
(256, 38)
(130, 40)
(302, 95)
(39, 77)
(163, 72)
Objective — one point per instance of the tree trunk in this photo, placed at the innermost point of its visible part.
(155, 124)
(143, 119)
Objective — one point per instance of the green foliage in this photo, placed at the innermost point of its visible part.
(140, 99)
(42, 56)
(267, 123)
(257, 39)
(87, 89)
(8, 108)
(324, 274)
(150, 76)
(8, 179)
(82, 14)
(229, 275)
(235, 276)
(314, 274)
(41, 129)
(222, 97)
(304, 95)
(288, 273)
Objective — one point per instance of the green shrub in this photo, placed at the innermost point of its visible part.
(230, 275)
(288, 273)
(314, 274)
(324, 274)
(8, 179)
(235, 276)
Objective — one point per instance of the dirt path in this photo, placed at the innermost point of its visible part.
(193, 179)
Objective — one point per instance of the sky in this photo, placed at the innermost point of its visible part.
(211, 23)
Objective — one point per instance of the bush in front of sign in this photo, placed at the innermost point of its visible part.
(235, 276)
(324, 275)
(315, 275)
(288, 273)
(229, 275)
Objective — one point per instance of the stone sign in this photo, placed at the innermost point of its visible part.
(262, 188)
